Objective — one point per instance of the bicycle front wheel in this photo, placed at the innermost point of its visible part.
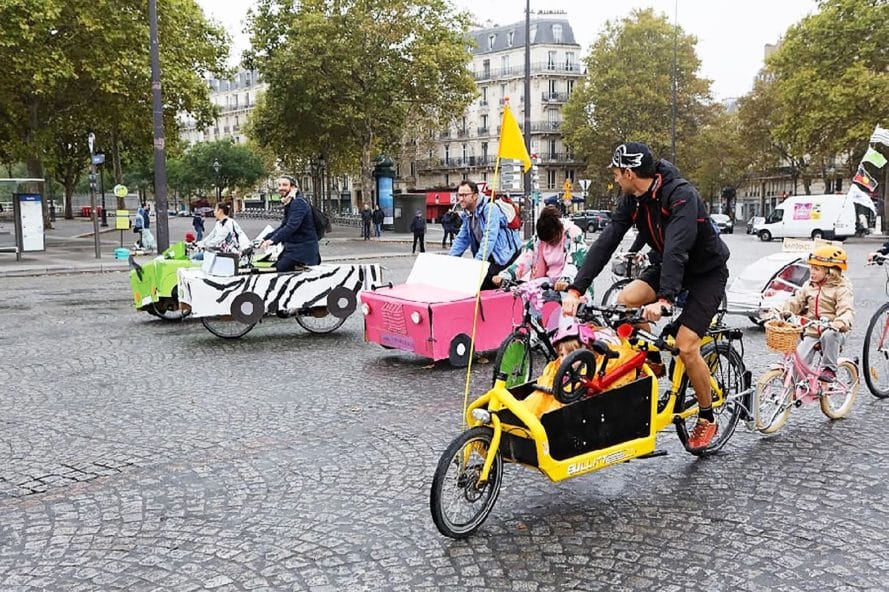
(771, 402)
(876, 353)
(838, 397)
(514, 359)
(610, 296)
(727, 367)
(460, 503)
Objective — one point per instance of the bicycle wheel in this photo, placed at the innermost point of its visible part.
(876, 353)
(319, 320)
(610, 296)
(459, 502)
(514, 359)
(226, 327)
(771, 402)
(570, 381)
(838, 397)
(727, 367)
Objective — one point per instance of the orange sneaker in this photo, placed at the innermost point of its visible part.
(702, 435)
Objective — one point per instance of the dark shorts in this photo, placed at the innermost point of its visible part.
(705, 293)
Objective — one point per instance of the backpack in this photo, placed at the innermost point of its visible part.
(322, 222)
(511, 212)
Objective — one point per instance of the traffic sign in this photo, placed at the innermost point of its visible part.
(584, 184)
(98, 158)
(121, 190)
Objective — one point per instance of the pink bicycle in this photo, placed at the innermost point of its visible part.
(794, 383)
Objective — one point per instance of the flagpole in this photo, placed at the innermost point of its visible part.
(527, 210)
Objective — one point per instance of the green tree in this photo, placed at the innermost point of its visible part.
(239, 167)
(347, 76)
(85, 61)
(831, 82)
(718, 157)
(627, 93)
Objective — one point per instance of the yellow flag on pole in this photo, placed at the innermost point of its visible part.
(512, 144)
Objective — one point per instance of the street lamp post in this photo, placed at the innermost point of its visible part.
(216, 167)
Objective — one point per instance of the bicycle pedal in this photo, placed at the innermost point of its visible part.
(653, 454)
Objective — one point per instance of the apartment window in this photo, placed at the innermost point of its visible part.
(447, 153)
(504, 64)
(491, 40)
(235, 101)
(557, 33)
(570, 175)
(503, 94)
(486, 68)
(463, 125)
(550, 179)
(552, 87)
(569, 60)
(485, 151)
(464, 152)
(484, 122)
(484, 95)
(570, 86)
(510, 37)
(550, 60)
(552, 148)
(447, 180)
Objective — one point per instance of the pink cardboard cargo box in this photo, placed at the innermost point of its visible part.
(431, 314)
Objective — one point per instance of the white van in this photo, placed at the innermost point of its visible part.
(810, 216)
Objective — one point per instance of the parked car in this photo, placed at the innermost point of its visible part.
(591, 220)
(723, 222)
(582, 220)
(753, 222)
(601, 219)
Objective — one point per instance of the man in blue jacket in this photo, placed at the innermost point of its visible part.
(297, 229)
(484, 232)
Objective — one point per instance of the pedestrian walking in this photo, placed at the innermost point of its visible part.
(418, 227)
(138, 225)
(449, 226)
(378, 218)
(366, 219)
(198, 224)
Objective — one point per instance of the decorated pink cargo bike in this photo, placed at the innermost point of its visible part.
(431, 314)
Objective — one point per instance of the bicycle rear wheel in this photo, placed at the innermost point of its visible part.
(727, 367)
(771, 402)
(838, 397)
(458, 501)
(226, 327)
(610, 296)
(876, 353)
(514, 359)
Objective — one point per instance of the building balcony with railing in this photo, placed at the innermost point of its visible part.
(562, 69)
(555, 97)
(545, 127)
(556, 158)
(431, 164)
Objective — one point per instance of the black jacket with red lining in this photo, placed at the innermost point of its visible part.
(673, 221)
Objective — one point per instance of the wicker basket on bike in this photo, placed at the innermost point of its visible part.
(782, 336)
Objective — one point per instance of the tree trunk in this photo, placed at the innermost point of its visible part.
(69, 207)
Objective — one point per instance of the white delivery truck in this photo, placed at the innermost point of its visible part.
(810, 216)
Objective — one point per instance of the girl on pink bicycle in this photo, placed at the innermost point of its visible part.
(827, 295)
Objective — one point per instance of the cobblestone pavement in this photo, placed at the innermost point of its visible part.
(138, 455)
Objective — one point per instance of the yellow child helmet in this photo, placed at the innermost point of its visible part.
(828, 256)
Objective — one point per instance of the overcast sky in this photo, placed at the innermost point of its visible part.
(731, 34)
